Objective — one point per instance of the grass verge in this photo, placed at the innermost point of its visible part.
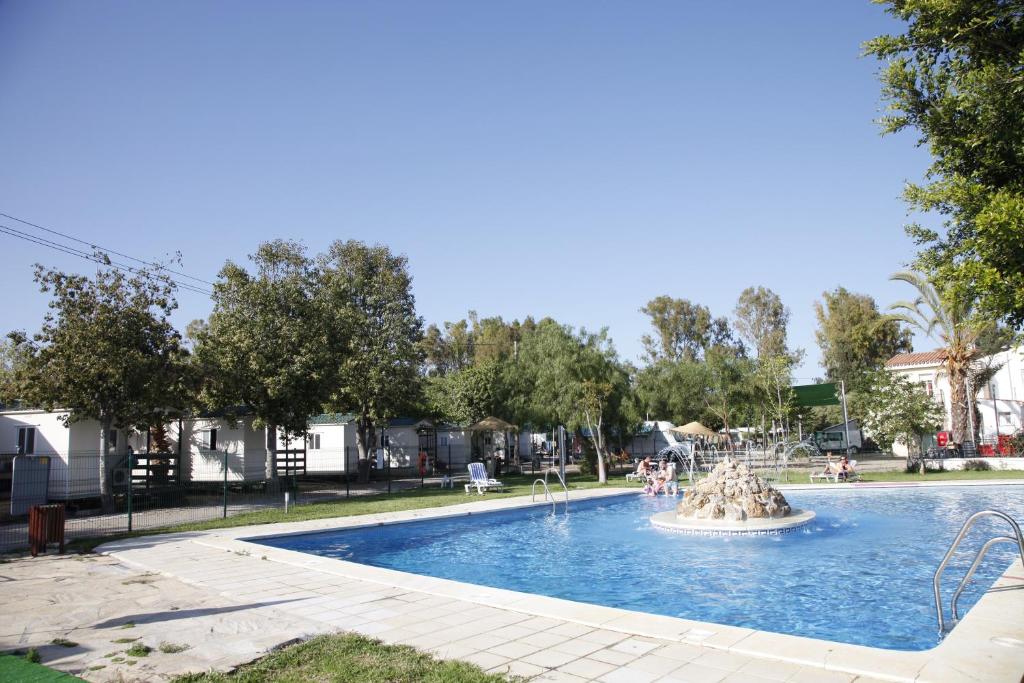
(348, 658)
(518, 485)
(13, 668)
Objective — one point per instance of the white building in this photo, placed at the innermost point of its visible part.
(1000, 401)
(331, 446)
(198, 446)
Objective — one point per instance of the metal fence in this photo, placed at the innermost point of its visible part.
(153, 491)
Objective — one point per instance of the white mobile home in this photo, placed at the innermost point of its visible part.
(206, 441)
(651, 437)
(330, 441)
(74, 448)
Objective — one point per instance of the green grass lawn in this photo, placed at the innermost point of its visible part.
(800, 477)
(518, 485)
(348, 658)
(15, 668)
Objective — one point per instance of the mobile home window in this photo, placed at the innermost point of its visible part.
(26, 440)
(210, 439)
(314, 442)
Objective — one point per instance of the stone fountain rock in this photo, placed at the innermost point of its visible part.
(732, 500)
(734, 493)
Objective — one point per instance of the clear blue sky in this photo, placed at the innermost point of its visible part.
(571, 159)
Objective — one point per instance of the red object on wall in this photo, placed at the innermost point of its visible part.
(986, 449)
(942, 438)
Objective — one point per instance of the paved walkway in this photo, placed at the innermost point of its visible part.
(96, 600)
(231, 601)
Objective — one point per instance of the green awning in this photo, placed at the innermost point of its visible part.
(810, 395)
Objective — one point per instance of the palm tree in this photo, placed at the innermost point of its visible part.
(946, 316)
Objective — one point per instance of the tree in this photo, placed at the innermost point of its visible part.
(683, 330)
(761, 321)
(727, 384)
(673, 391)
(466, 396)
(265, 348)
(13, 356)
(106, 351)
(898, 410)
(947, 316)
(573, 379)
(367, 292)
(855, 338)
(957, 77)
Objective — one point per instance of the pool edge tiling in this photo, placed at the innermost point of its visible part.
(988, 644)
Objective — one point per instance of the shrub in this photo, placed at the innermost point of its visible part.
(172, 648)
(138, 650)
(33, 656)
(977, 466)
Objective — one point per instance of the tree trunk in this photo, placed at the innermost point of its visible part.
(958, 404)
(271, 469)
(106, 489)
(364, 439)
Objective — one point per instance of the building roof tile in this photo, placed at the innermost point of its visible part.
(934, 357)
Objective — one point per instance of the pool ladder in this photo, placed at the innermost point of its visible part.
(547, 491)
(1017, 538)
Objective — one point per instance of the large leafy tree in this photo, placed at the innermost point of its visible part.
(574, 379)
(855, 338)
(729, 378)
(374, 334)
(106, 351)
(671, 391)
(956, 76)
(761, 321)
(265, 347)
(683, 330)
(13, 357)
(466, 396)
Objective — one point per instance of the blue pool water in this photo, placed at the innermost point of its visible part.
(860, 573)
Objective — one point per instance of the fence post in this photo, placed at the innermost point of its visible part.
(450, 460)
(347, 473)
(387, 455)
(225, 483)
(131, 456)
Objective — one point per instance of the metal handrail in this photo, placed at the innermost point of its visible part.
(1018, 538)
(547, 494)
(970, 572)
(560, 481)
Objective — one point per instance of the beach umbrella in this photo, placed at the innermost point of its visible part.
(694, 429)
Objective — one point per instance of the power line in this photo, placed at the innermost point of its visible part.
(104, 249)
(41, 241)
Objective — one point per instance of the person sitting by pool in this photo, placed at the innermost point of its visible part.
(845, 469)
(657, 478)
(670, 484)
(644, 467)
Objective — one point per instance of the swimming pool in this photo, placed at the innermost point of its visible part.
(860, 573)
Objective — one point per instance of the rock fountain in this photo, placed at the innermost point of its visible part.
(731, 500)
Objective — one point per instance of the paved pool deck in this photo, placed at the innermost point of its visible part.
(231, 601)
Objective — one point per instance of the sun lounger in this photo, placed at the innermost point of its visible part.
(478, 478)
(834, 475)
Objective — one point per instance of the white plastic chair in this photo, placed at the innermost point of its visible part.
(478, 478)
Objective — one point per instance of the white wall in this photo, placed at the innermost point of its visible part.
(994, 463)
(246, 448)
(330, 457)
(74, 449)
